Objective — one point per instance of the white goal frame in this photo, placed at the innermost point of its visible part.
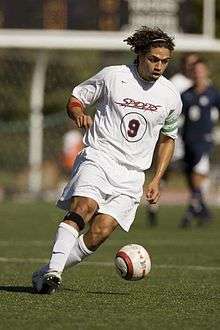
(99, 40)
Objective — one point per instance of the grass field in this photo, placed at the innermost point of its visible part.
(182, 291)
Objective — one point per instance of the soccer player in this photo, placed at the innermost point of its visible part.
(201, 104)
(136, 105)
(183, 79)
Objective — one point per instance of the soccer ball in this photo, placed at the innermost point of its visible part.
(132, 262)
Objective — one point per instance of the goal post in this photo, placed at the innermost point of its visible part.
(36, 122)
(98, 40)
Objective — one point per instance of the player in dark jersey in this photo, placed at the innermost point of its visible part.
(201, 104)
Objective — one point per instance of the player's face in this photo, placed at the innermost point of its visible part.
(200, 72)
(189, 64)
(153, 64)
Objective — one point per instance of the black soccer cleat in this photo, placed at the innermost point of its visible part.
(46, 283)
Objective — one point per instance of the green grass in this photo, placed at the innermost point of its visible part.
(182, 291)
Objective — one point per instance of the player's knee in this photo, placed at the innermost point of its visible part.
(77, 219)
(85, 208)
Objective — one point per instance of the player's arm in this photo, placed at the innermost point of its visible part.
(163, 155)
(77, 112)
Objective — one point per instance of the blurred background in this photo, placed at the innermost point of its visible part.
(48, 46)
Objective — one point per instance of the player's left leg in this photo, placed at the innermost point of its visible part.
(101, 227)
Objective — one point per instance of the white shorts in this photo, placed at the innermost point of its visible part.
(116, 189)
(203, 166)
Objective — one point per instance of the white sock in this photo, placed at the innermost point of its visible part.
(65, 240)
(78, 253)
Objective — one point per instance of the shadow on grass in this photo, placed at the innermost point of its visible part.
(19, 289)
(96, 292)
(29, 289)
(68, 289)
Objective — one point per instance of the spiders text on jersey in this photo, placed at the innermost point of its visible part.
(127, 102)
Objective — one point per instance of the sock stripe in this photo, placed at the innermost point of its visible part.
(83, 246)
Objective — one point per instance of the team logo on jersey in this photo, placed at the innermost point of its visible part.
(127, 102)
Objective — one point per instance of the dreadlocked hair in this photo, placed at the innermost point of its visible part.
(145, 38)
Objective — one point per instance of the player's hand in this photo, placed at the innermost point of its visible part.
(83, 121)
(152, 192)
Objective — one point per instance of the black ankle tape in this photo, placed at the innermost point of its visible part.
(75, 217)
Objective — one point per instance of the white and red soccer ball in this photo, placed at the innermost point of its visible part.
(132, 262)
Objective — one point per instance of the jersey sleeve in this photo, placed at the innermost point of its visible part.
(170, 128)
(89, 91)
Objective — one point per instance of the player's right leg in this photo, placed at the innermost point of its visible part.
(48, 278)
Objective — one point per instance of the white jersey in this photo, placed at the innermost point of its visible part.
(130, 115)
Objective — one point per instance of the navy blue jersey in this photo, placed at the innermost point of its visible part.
(201, 112)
